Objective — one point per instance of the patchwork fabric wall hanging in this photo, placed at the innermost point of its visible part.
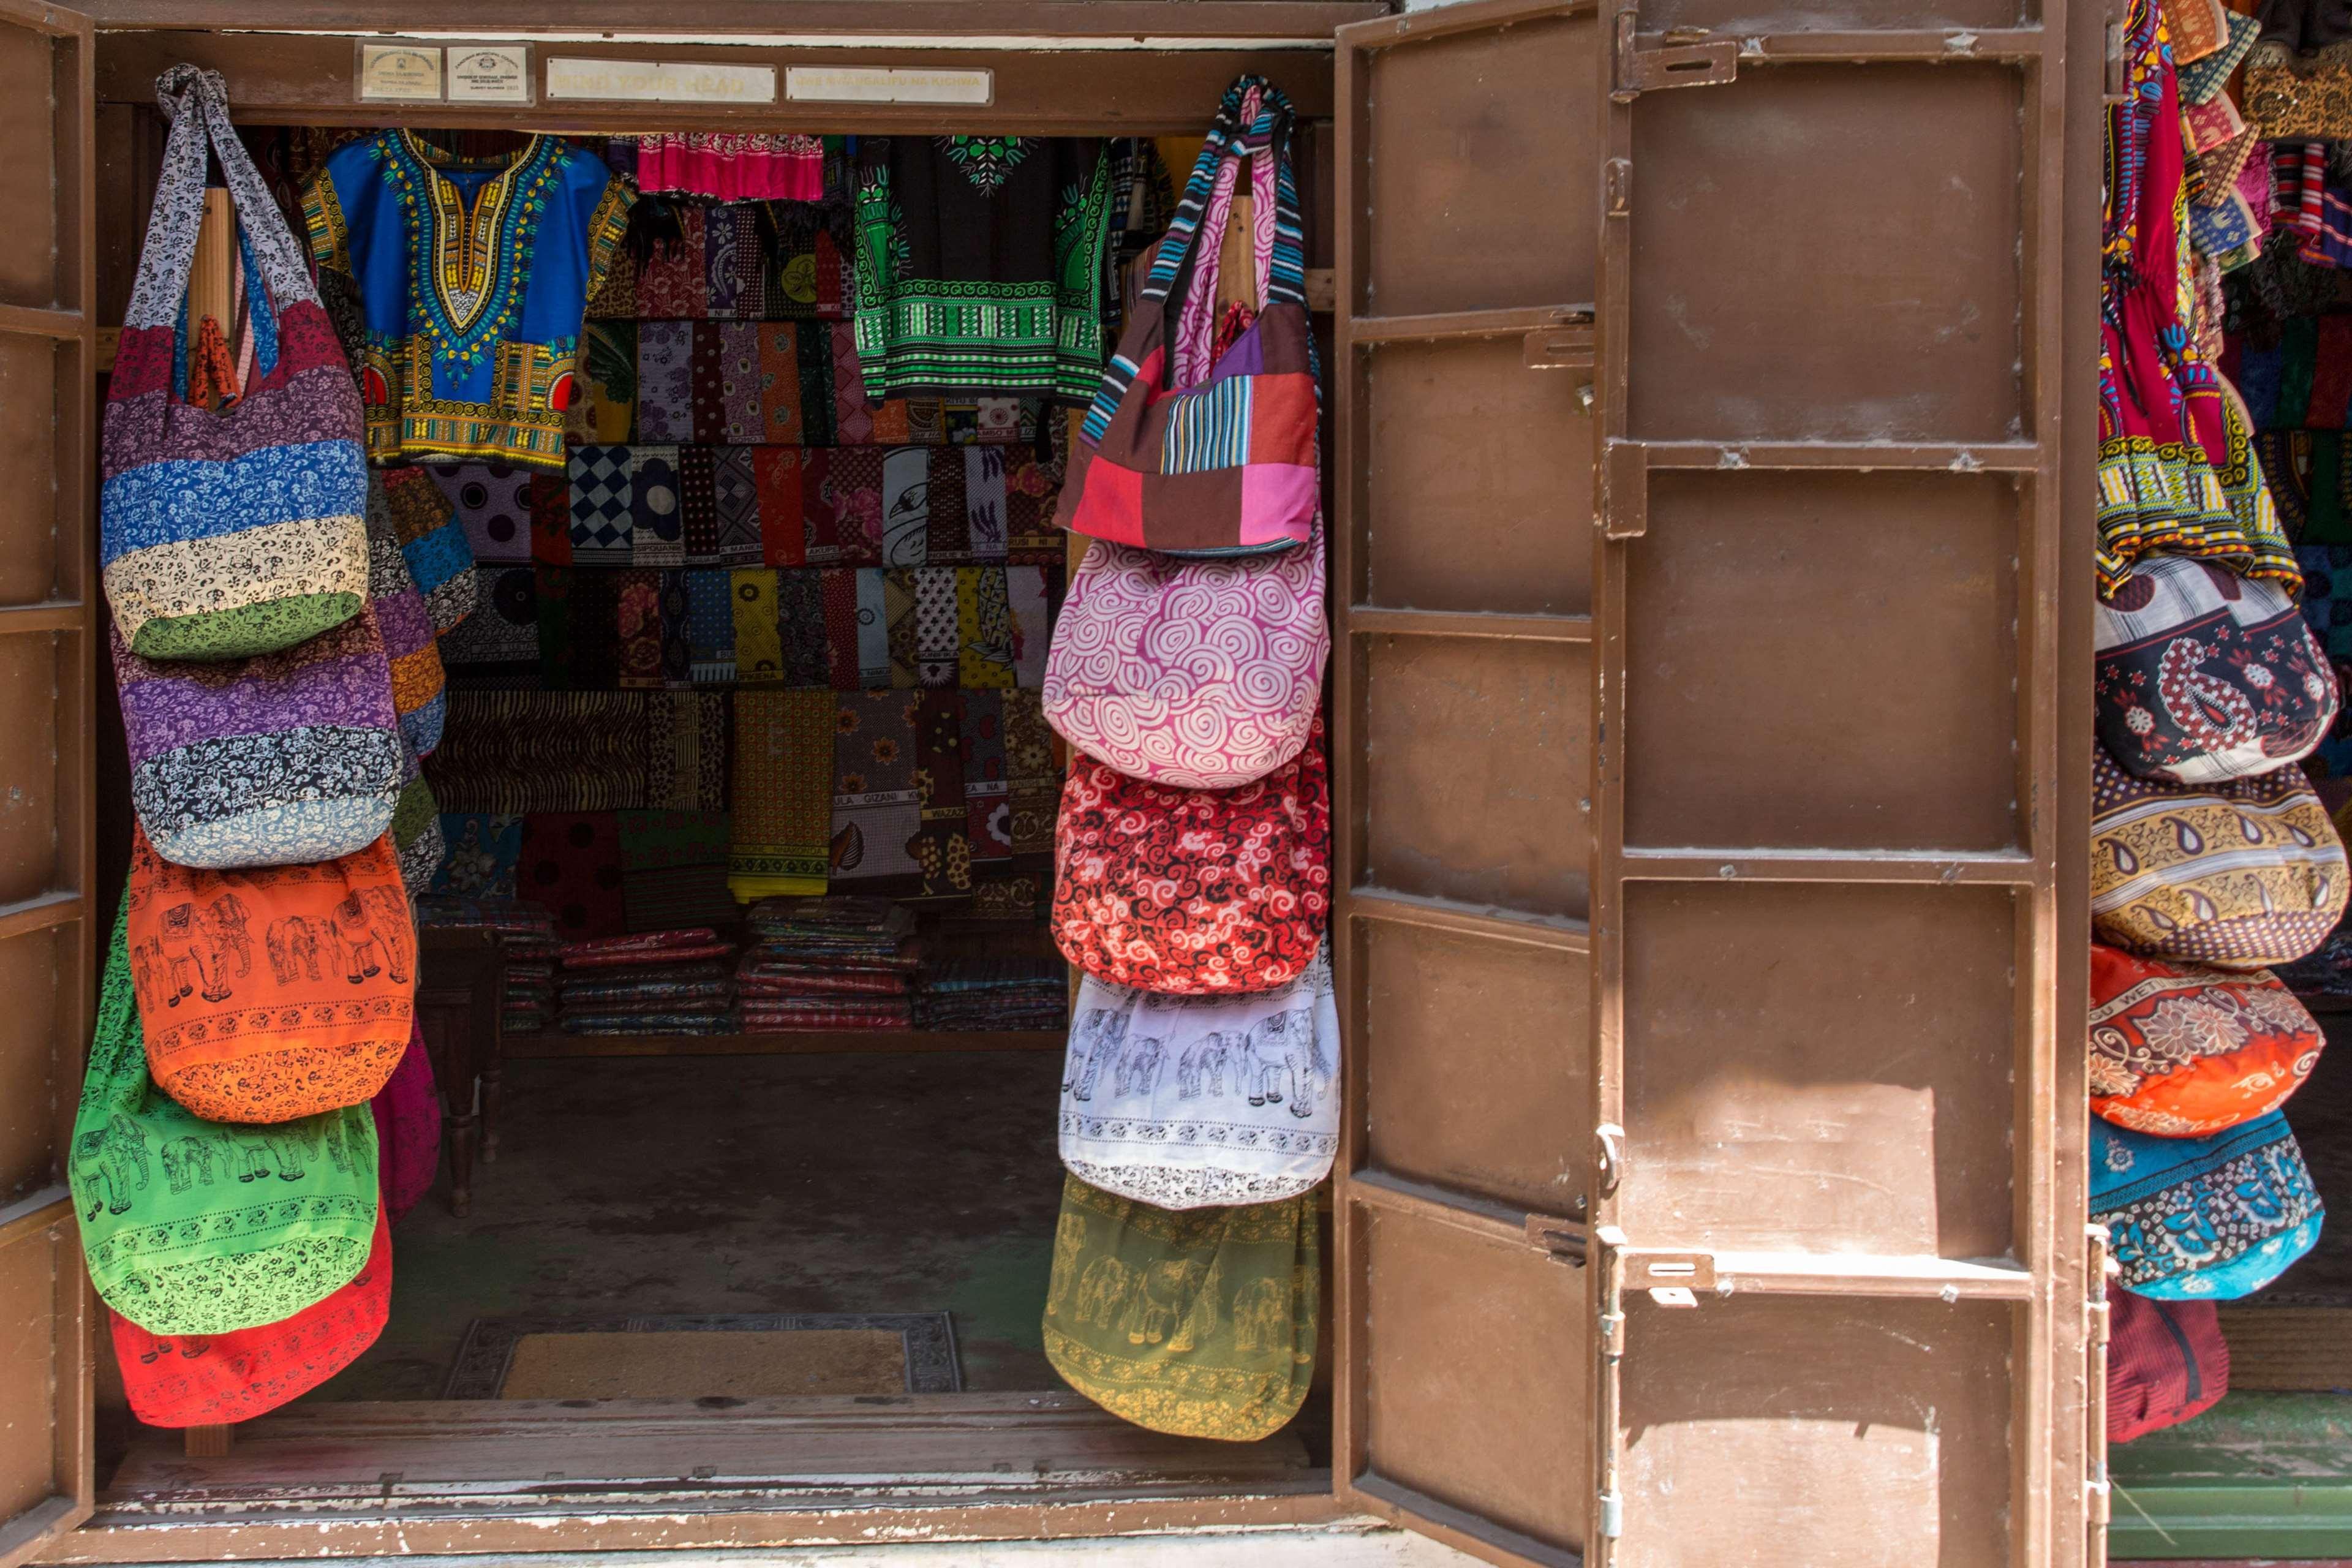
(191, 1227)
(1194, 893)
(229, 532)
(275, 994)
(2203, 1218)
(1201, 1323)
(2205, 676)
(287, 757)
(1185, 1102)
(2240, 875)
(2182, 1051)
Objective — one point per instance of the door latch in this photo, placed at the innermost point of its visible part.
(1684, 59)
(1561, 1239)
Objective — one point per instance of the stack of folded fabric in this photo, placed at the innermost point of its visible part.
(995, 993)
(655, 982)
(526, 936)
(838, 962)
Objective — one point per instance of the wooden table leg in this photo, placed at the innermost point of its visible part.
(461, 1134)
(210, 1442)
(492, 1081)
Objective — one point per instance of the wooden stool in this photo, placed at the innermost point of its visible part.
(460, 986)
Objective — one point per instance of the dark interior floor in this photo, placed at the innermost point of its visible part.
(914, 1182)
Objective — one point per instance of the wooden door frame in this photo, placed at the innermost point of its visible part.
(272, 79)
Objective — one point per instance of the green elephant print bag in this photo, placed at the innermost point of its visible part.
(1200, 1322)
(206, 1227)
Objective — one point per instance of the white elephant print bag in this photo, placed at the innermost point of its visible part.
(1187, 1101)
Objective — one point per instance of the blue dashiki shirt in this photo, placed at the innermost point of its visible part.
(472, 274)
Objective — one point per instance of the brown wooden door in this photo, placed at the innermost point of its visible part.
(1463, 554)
(1711, 722)
(48, 926)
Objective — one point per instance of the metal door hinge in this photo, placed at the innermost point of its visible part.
(1682, 60)
(1617, 187)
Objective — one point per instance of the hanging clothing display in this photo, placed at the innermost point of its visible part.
(980, 265)
(2214, 1219)
(733, 166)
(473, 275)
(2179, 1051)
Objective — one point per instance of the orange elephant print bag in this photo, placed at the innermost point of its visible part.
(274, 993)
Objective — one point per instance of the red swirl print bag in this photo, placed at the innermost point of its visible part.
(1194, 893)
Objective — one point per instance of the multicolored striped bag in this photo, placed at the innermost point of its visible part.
(231, 532)
(1194, 444)
(289, 757)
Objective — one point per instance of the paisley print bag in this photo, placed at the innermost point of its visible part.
(1194, 893)
(205, 1380)
(291, 756)
(1192, 445)
(2203, 1218)
(2240, 875)
(1201, 1323)
(272, 994)
(2205, 676)
(231, 531)
(1184, 1101)
(1199, 674)
(191, 1226)
(2180, 1051)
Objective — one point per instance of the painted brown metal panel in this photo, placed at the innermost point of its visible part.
(1463, 739)
(1837, 1236)
(47, 667)
(715, 18)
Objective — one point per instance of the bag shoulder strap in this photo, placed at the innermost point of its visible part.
(1266, 135)
(196, 102)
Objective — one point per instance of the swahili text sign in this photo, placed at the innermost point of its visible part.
(888, 84)
(660, 82)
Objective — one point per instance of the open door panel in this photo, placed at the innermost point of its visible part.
(1838, 1248)
(48, 594)
(1463, 551)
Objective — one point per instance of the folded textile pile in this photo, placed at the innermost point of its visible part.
(838, 962)
(526, 936)
(995, 993)
(655, 982)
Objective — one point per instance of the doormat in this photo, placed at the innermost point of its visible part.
(2289, 1349)
(737, 1356)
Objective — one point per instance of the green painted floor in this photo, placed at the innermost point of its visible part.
(2257, 1476)
(816, 1184)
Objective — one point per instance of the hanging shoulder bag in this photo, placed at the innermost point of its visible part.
(1200, 442)
(235, 531)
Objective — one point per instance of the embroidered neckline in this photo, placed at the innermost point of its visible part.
(986, 160)
(466, 261)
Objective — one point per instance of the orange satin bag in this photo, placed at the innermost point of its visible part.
(276, 992)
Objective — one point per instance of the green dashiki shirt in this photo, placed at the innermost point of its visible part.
(981, 266)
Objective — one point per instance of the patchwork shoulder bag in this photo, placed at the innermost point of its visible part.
(1194, 893)
(229, 532)
(291, 756)
(191, 1227)
(2205, 676)
(2240, 875)
(208, 1380)
(2180, 1050)
(1201, 439)
(275, 994)
(1185, 1102)
(1201, 1323)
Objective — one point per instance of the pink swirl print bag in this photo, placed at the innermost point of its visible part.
(1198, 673)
